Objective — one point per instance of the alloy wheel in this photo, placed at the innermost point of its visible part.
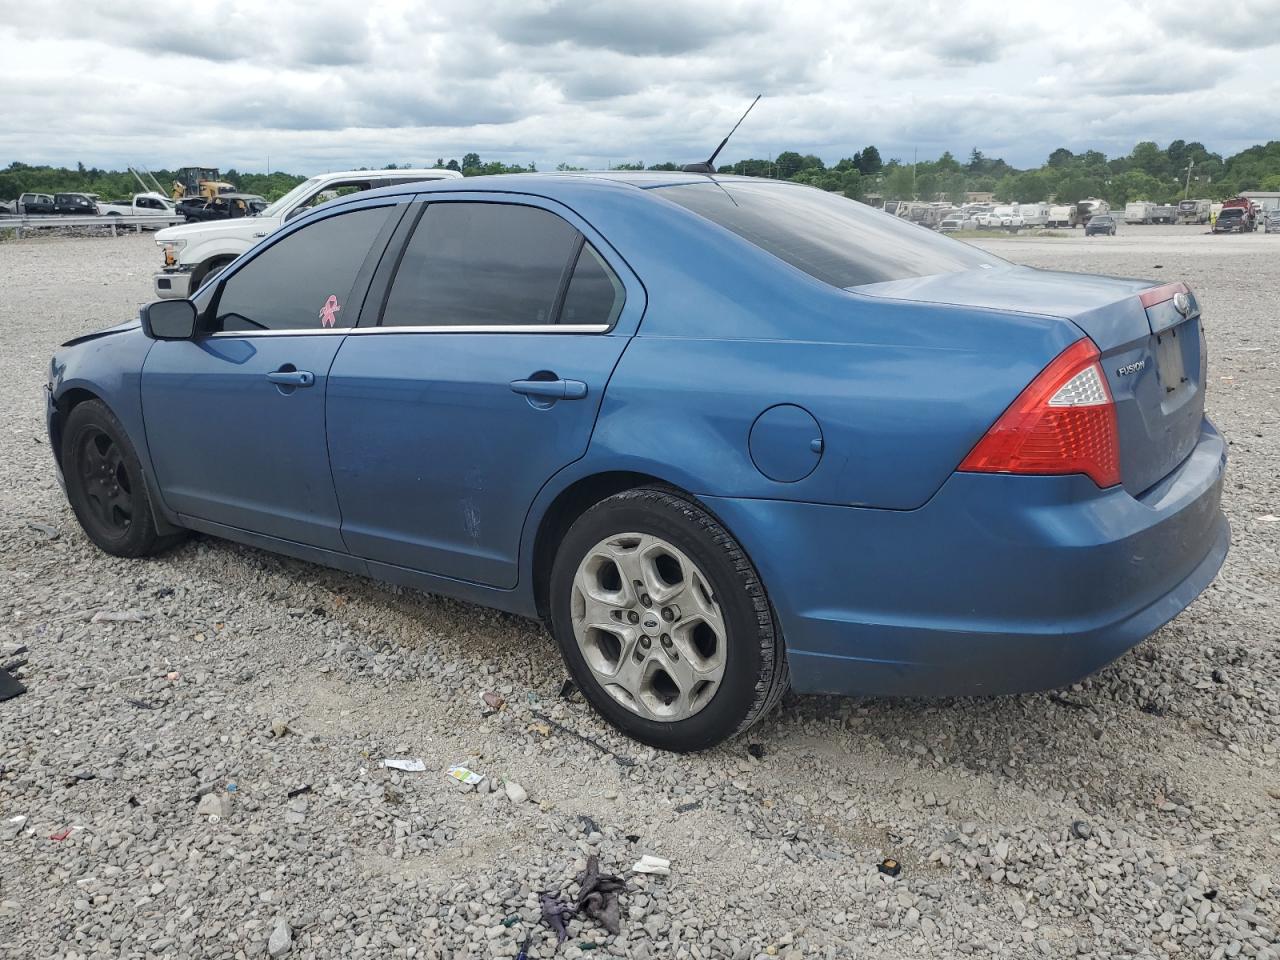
(648, 625)
(105, 482)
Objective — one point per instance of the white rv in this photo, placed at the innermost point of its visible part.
(1062, 215)
(1034, 214)
(1139, 211)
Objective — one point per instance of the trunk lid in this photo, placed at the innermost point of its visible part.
(1153, 354)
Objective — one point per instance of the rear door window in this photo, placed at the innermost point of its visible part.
(482, 264)
(304, 280)
(839, 241)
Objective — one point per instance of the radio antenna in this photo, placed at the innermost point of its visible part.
(708, 166)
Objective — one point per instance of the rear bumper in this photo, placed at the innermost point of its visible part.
(998, 585)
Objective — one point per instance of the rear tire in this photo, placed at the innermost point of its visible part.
(106, 486)
(648, 673)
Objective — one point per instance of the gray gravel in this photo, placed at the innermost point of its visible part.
(215, 739)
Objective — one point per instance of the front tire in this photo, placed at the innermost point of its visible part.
(106, 486)
(663, 622)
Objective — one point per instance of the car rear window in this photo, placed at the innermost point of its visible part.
(839, 241)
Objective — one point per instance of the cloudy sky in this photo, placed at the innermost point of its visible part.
(331, 84)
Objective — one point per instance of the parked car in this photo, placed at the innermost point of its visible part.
(1273, 222)
(1234, 220)
(957, 224)
(226, 206)
(75, 204)
(196, 251)
(140, 204)
(1100, 223)
(725, 435)
(35, 203)
(187, 206)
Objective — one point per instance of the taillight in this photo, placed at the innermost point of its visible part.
(1063, 422)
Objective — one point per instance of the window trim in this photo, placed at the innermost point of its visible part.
(634, 297)
(363, 281)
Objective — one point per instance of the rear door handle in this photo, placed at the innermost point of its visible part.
(292, 378)
(551, 389)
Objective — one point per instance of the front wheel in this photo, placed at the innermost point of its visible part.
(663, 622)
(105, 484)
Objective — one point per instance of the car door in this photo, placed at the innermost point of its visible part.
(235, 417)
(500, 328)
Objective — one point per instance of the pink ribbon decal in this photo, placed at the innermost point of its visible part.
(327, 318)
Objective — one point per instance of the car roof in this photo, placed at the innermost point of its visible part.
(567, 183)
(416, 172)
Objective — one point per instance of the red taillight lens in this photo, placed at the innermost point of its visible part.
(1063, 422)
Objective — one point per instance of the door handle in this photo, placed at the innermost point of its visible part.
(551, 389)
(292, 378)
(257, 235)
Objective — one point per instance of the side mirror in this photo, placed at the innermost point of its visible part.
(169, 319)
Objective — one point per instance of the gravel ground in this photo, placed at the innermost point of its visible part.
(1132, 815)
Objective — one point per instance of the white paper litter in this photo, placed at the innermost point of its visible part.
(651, 864)
(463, 775)
(408, 766)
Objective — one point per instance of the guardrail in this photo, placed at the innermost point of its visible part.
(115, 221)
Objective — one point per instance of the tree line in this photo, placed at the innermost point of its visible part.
(1148, 172)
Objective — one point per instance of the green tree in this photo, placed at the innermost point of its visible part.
(868, 161)
(898, 183)
(789, 163)
(1061, 157)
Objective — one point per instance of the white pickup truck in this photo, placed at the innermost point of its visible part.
(196, 250)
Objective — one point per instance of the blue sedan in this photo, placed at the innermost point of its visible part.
(725, 436)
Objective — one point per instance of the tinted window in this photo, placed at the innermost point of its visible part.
(304, 281)
(476, 264)
(840, 241)
(594, 295)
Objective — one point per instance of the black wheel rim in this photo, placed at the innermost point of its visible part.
(105, 481)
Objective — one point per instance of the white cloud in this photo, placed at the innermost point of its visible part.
(329, 84)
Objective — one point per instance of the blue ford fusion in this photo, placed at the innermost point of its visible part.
(725, 436)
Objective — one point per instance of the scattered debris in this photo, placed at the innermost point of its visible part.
(622, 761)
(116, 616)
(524, 947)
(47, 531)
(1211, 894)
(633, 838)
(214, 805)
(408, 765)
(298, 791)
(173, 676)
(1269, 518)
(459, 773)
(686, 807)
(511, 921)
(279, 727)
(63, 833)
(1152, 708)
(556, 914)
(588, 824)
(539, 728)
(598, 895)
(1082, 829)
(889, 867)
(515, 792)
(140, 704)
(495, 701)
(1218, 676)
(756, 750)
(164, 592)
(658, 866)
(10, 687)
